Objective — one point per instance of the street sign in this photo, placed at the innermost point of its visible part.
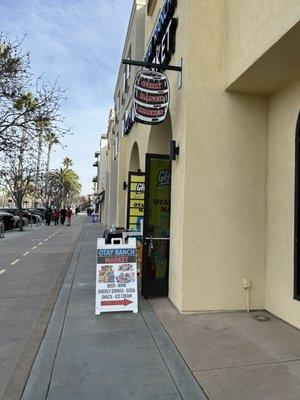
(116, 277)
(151, 97)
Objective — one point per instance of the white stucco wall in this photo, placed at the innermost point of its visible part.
(283, 112)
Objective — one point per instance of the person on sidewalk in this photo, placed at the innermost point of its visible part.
(63, 212)
(48, 216)
(69, 215)
(56, 216)
(76, 210)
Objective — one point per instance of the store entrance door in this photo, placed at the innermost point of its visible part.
(156, 234)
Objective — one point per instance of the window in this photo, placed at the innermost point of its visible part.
(118, 104)
(126, 73)
(129, 66)
(150, 7)
(116, 146)
(123, 125)
(124, 80)
(297, 214)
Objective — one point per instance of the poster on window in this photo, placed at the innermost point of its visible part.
(135, 200)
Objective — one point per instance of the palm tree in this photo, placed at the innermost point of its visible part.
(63, 185)
(51, 138)
(40, 124)
(67, 162)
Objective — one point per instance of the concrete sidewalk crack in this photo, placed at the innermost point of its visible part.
(247, 365)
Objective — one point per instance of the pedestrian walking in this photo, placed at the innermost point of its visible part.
(48, 216)
(69, 215)
(63, 215)
(76, 210)
(56, 216)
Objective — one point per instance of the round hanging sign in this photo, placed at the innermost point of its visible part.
(151, 97)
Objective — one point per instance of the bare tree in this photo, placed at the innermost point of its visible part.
(29, 110)
(17, 172)
(16, 85)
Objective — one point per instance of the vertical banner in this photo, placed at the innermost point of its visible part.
(136, 200)
(116, 277)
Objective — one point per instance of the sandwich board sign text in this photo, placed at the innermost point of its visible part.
(116, 277)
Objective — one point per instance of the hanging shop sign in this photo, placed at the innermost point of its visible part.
(150, 97)
(136, 200)
(162, 42)
(116, 277)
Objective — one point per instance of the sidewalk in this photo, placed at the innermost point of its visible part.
(158, 354)
(111, 356)
(235, 356)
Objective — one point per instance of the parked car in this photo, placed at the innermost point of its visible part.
(25, 214)
(17, 221)
(37, 212)
(14, 213)
(7, 219)
(34, 217)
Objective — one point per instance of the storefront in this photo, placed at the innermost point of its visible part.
(233, 114)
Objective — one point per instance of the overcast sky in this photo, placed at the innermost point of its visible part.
(80, 41)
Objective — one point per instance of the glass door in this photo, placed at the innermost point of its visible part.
(156, 234)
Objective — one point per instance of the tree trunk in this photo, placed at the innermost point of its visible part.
(20, 213)
(19, 185)
(47, 175)
(38, 163)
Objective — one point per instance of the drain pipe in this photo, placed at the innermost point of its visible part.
(247, 286)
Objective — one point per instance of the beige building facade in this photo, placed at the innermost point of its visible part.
(233, 113)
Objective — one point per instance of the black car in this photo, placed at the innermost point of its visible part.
(25, 214)
(7, 219)
(37, 212)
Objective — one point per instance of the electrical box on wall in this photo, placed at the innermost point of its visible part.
(246, 283)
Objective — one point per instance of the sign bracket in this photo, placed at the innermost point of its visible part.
(161, 67)
(158, 67)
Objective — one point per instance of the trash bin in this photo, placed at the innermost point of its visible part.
(95, 218)
(116, 233)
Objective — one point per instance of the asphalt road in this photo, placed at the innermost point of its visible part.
(32, 265)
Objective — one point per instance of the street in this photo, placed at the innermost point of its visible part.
(32, 267)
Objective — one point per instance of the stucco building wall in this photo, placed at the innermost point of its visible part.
(232, 189)
(252, 28)
(283, 113)
(225, 175)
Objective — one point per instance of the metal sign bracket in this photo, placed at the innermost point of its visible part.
(159, 67)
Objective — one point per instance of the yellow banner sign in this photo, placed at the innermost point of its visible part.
(136, 199)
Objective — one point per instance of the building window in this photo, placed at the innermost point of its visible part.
(118, 104)
(124, 79)
(126, 73)
(123, 124)
(150, 7)
(117, 146)
(127, 65)
(297, 214)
